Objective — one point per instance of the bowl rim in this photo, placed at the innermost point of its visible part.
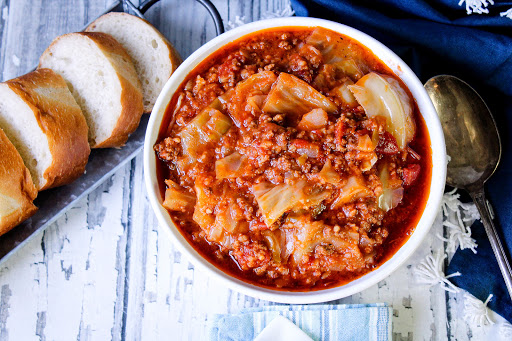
(388, 57)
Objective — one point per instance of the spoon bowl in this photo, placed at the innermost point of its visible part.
(474, 149)
(471, 135)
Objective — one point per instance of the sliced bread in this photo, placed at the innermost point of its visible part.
(17, 191)
(46, 125)
(154, 57)
(103, 81)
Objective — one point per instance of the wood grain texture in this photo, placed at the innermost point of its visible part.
(106, 270)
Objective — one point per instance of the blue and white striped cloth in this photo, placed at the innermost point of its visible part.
(320, 322)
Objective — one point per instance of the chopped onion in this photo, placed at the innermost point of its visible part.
(392, 191)
(304, 147)
(309, 152)
(390, 198)
(290, 95)
(343, 93)
(367, 164)
(315, 119)
(329, 175)
(365, 144)
(383, 95)
(273, 243)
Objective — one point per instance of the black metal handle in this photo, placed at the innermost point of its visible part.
(212, 10)
(145, 5)
(217, 20)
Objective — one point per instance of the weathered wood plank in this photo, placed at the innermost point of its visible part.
(106, 270)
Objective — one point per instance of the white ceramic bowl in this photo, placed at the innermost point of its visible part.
(399, 68)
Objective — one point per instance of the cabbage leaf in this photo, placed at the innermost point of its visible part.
(208, 126)
(392, 191)
(382, 95)
(291, 95)
(274, 201)
(177, 198)
(354, 189)
(302, 236)
(231, 166)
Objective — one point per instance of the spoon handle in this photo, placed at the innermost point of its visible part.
(482, 205)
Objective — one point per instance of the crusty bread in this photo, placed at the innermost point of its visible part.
(43, 121)
(103, 80)
(154, 57)
(17, 191)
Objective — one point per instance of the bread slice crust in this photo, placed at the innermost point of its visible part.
(61, 121)
(131, 91)
(15, 186)
(107, 24)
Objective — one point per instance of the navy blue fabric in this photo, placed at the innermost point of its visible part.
(438, 37)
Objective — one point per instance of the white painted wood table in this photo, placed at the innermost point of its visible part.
(106, 270)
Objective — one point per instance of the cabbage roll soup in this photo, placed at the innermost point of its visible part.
(294, 159)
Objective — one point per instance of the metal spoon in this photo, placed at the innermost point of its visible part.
(473, 143)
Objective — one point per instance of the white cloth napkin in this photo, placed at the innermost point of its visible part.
(319, 321)
(282, 329)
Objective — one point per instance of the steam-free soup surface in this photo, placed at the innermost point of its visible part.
(294, 159)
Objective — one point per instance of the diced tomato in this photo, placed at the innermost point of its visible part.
(387, 144)
(410, 174)
(230, 68)
(339, 132)
(257, 225)
(305, 147)
(362, 132)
